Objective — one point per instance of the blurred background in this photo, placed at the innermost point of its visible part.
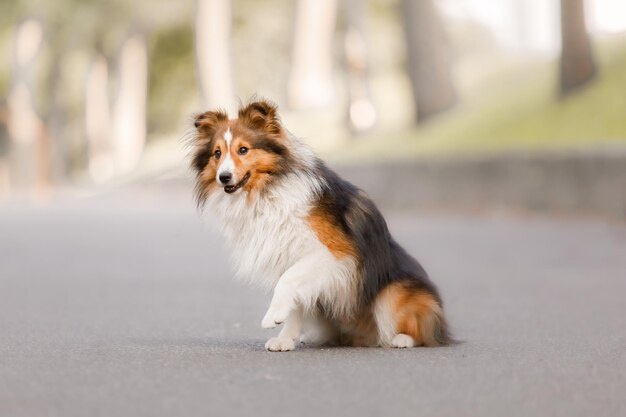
(491, 133)
(95, 92)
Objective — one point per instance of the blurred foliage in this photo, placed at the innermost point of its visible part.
(5, 37)
(517, 110)
(172, 77)
(511, 109)
(77, 30)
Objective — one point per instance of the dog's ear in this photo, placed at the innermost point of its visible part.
(261, 115)
(207, 123)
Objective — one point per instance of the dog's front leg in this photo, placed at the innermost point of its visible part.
(289, 334)
(296, 290)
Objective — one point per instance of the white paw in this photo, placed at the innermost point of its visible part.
(402, 340)
(274, 317)
(278, 344)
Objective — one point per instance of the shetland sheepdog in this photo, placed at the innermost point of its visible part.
(293, 225)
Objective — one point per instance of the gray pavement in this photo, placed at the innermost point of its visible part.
(122, 304)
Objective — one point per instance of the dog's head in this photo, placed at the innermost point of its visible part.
(243, 154)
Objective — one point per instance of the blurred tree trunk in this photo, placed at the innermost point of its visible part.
(361, 110)
(311, 82)
(129, 114)
(98, 121)
(428, 59)
(55, 120)
(29, 150)
(577, 66)
(213, 55)
(4, 149)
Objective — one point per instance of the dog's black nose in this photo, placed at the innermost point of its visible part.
(225, 177)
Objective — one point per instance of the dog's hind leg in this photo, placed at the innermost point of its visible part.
(318, 330)
(408, 316)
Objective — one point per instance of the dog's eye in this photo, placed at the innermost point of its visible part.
(243, 150)
(218, 153)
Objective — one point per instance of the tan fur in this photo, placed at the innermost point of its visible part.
(415, 312)
(331, 234)
(363, 331)
(207, 176)
(259, 164)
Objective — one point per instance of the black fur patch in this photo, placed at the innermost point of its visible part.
(201, 156)
(381, 260)
(269, 145)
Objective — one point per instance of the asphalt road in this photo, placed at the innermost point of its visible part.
(122, 304)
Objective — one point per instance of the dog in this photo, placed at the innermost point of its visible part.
(293, 225)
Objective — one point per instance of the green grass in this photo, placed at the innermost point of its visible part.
(520, 110)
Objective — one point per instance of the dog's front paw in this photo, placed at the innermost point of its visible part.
(268, 322)
(274, 317)
(280, 344)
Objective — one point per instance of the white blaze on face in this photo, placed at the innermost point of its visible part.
(227, 164)
(228, 137)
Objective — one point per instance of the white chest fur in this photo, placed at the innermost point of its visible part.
(267, 235)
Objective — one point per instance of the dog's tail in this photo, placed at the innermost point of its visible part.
(433, 328)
